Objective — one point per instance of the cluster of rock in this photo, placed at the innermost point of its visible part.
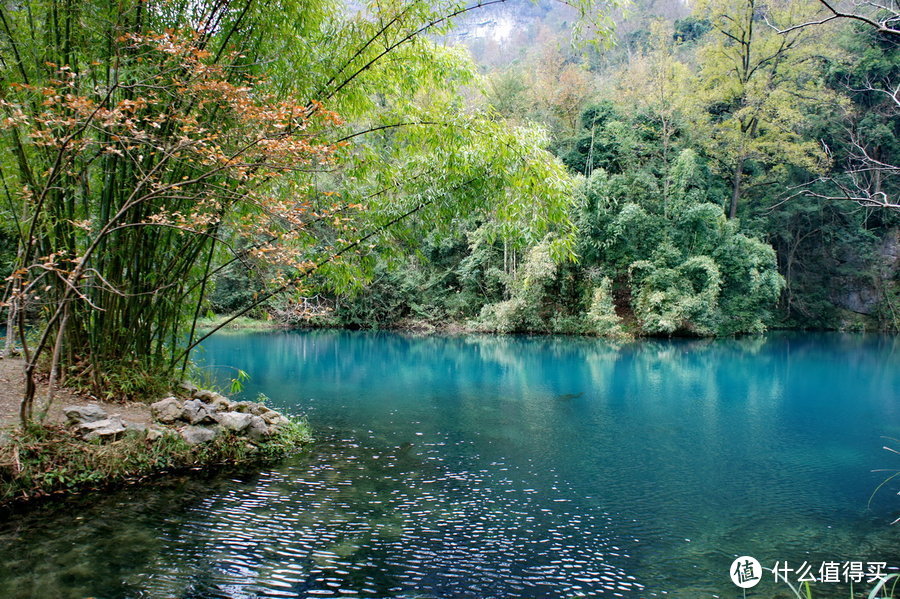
(207, 414)
(92, 422)
(199, 419)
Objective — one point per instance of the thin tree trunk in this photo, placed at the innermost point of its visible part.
(28, 398)
(10, 327)
(206, 277)
(54, 364)
(736, 187)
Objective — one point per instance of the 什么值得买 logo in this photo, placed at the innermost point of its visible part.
(746, 572)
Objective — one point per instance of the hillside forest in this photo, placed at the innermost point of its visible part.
(725, 172)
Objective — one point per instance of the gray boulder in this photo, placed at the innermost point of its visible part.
(216, 401)
(258, 430)
(242, 406)
(82, 414)
(205, 395)
(154, 433)
(274, 419)
(167, 410)
(234, 421)
(221, 404)
(108, 429)
(251, 407)
(191, 388)
(194, 435)
(197, 412)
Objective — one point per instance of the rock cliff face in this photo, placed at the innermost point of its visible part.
(864, 295)
(199, 419)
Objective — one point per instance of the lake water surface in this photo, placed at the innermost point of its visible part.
(506, 467)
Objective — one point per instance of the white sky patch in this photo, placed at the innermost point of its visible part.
(499, 30)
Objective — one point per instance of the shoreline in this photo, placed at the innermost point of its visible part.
(453, 328)
(103, 444)
(21, 504)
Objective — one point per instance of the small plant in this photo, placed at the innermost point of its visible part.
(204, 378)
(237, 383)
(804, 591)
(895, 474)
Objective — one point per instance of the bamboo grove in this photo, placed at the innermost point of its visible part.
(131, 161)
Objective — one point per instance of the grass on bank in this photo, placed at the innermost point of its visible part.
(244, 323)
(50, 459)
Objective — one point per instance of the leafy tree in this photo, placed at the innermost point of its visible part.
(865, 148)
(690, 29)
(530, 307)
(656, 83)
(689, 270)
(757, 88)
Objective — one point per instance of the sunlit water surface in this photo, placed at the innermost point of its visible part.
(504, 467)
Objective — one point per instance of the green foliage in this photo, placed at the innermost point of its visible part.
(447, 278)
(601, 314)
(757, 91)
(234, 288)
(287, 440)
(530, 307)
(601, 143)
(711, 110)
(689, 270)
(676, 297)
(672, 263)
(388, 297)
(690, 29)
(123, 379)
(236, 385)
(297, 147)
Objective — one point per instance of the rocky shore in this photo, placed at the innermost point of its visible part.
(97, 446)
(201, 418)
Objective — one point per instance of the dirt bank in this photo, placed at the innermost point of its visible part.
(12, 386)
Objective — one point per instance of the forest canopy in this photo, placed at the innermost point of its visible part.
(738, 171)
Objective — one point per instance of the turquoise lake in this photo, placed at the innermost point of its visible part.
(507, 467)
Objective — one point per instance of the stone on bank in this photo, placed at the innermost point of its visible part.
(197, 420)
(207, 413)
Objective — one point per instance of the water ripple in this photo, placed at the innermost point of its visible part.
(399, 521)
